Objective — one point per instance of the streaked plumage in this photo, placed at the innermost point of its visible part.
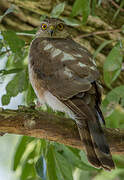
(65, 77)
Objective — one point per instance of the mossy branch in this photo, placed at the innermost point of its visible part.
(44, 125)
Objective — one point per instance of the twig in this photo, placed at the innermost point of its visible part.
(100, 32)
(25, 34)
(116, 5)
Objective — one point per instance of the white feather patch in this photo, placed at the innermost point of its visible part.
(93, 68)
(56, 52)
(57, 105)
(67, 57)
(81, 64)
(78, 55)
(68, 72)
(48, 47)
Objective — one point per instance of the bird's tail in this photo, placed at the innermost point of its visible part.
(92, 135)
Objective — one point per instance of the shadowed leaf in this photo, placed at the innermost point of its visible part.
(41, 168)
(114, 97)
(81, 7)
(112, 65)
(8, 11)
(13, 41)
(57, 10)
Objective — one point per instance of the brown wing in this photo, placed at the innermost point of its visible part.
(65, 67)
(68, 72)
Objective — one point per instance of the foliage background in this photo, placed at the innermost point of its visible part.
(39, 159)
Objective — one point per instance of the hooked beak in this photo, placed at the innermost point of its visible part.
(51, 30)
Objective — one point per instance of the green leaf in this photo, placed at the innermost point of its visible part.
(17, 60)
(43, 17)
(94, 3)
(71, 21)
(1, 44)
(21, 147)
(8, 11)
(26, 163)
(63, 168)
(41, 168)
(119, 161)
(117, 12)
(11, 71)
(5, 99)
(18, 84)
(73, 157)
(51, 168)
(57, 10)
(28, 167)
(44, 145)
(110, 176)
(79, 173)
(115, 119)
(28, 172)
(112, 99)
(112, 66)
(81, 7)
(10, 62)
(101, 47)
(77, 8)
(30, 95)
(13, 41)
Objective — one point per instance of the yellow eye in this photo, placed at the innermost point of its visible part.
(60, 26)
(44, 26)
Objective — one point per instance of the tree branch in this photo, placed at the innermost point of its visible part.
(116, 5)
(44, 125)
(100, 32)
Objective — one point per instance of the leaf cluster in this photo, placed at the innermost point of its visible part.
(45, 160)
(15, 52)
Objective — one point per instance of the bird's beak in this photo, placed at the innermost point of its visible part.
(51, 30)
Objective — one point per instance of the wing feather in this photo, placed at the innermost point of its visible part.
(64, 79)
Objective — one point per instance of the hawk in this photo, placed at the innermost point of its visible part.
(64, 76)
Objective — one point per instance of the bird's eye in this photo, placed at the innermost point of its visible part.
(44, 26)
(60, 26)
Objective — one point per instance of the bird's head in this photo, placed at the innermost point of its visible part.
(53, 28)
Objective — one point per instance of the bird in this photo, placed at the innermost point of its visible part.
(64, 76)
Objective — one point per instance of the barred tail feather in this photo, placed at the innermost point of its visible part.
(100, 144)
(91, 134)
(87, 141)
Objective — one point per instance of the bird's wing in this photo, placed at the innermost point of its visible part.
(66, 68)
(69, 73)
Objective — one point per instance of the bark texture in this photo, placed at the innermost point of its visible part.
(44, 125)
